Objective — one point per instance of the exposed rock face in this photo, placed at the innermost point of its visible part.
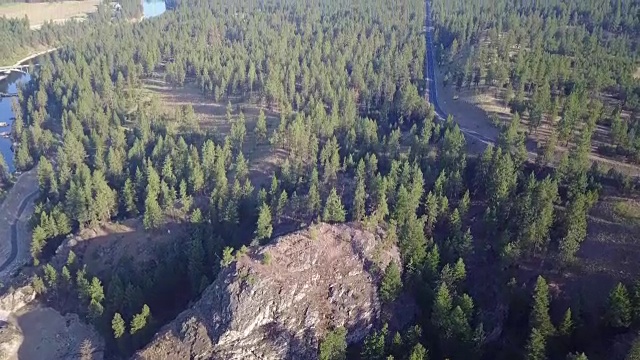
(15, 299)
(10, 340)
(316, 279)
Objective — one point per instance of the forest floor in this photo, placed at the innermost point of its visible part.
(211, 116)
(39, 13)
(112, 242)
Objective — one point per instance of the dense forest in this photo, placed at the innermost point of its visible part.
(18, 41)
(361, 144)
(551, 58)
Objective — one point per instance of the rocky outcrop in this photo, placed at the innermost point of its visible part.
(278, 301)
(10, 340)
(15, 299)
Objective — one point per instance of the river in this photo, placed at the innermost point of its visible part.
(150, 8)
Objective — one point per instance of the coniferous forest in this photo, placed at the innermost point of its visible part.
(484, 237)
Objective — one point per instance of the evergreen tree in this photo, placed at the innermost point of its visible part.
(619, 307)
(418, 353)
(334, 345)
(359, 199)
(140, 320)
(566, 326)
(373, 347)
(536, 345)
(130, 198)
(634, 352)
(264, 227)
(152, 212)
(391, 284)
(261, 128)
(333, 209)
(540, 319)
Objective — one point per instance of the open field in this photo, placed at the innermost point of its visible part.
(39, 13)
(211, 116)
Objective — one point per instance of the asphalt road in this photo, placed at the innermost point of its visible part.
(14, 230)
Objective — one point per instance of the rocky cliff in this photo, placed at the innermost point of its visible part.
(279, 300)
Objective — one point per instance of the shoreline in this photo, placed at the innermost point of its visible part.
(30, 57)
(35, 55)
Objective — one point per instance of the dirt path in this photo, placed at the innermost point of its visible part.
(14, 239)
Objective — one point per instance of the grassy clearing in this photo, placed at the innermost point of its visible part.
(212, 117)
(39, 13)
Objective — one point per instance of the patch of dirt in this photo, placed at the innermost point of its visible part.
(636, 75)
(39, 13)
(102, 248)
(49, 335)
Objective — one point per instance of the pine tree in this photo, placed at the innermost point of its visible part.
(261, 128)
(5, 175)
(536, 345)
(373, 347)
(264, 227)
(566, 326)
(51, 276)
(130, 198)
(313, 198)
(334, 345)
(634, 352)
(540, 319)
(391, 284)
(152, 212)
(442, 306)
(333, 209)
(359, 199)
(282, 203)
(140, 320)
(619, 307)
(418, 353)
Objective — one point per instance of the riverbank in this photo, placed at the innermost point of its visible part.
(31, 56)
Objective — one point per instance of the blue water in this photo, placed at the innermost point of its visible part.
(151, 8)
(9, 85)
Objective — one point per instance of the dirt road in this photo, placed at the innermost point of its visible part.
(15, 212)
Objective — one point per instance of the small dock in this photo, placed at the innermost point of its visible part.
(7, 95)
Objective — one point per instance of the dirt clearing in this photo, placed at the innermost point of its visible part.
(39, 13)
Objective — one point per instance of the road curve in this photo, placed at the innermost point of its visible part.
(14, 230)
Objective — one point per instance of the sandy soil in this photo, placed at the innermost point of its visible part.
(49, 335)
(39, 13)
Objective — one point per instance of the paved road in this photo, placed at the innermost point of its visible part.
(14, 230)
(14, 243)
